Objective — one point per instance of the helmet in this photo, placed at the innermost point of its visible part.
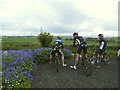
(75, 33)
(59, 37)
(100, 35)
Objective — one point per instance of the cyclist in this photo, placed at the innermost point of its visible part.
(82, 46)
(58, 43)
(101, 47)
(102, 44)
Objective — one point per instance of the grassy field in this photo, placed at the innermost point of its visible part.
(20, 40)
(33, 40)
(15, 43)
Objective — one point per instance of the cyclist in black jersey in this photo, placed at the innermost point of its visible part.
(102, 44)
(101, 47)
(82, 46)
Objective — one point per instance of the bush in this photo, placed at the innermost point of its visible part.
(42, 54)
(45, 39)
(17, 68)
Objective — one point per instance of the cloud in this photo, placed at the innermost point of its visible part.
(58, 16)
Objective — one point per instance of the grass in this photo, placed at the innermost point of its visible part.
(33, 40)
(15, 43)
(20, 40)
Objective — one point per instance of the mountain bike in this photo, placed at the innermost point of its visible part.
(56, 58)
(97, 59)
(86, 65)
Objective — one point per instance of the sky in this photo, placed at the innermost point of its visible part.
(59, 17)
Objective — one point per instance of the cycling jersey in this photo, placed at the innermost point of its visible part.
(59, 43)
(102, 44)
(82, 45)
(80, 40)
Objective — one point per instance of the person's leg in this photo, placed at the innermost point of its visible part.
(85, 51)
(63, 62)
(97, 60)
(51, 56)
(62, 58)
(77, 58)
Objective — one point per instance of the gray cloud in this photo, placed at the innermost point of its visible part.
(59, 17)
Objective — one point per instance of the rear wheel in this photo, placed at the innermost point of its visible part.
(106, 59)
(95, 61)
(57, 62)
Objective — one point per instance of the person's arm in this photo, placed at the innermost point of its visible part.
(74, 40)
(102, 45)
(62, 45)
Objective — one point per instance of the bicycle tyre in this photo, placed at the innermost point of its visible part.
(57, 62)
(106, 59)
(87, 67)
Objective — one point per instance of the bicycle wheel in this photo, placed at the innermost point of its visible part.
(87, 67)
(95, 61)
(106, 59)
(57, 61)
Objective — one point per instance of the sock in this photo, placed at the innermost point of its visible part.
(63, 63)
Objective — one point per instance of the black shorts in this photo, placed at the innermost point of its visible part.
(59, 52)
(99, 51)
(81, 48)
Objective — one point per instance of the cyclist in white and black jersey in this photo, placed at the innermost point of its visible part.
(102, 44)
(82, 46)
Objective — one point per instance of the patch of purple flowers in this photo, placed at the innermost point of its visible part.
(17, 64)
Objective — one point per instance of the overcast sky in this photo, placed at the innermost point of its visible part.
(87, 17)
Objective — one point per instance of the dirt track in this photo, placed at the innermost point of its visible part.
(47, 77)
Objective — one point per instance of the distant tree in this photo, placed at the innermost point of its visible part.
(71, 39)
(66, 39)
(45, 39)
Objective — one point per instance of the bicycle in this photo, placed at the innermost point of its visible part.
(86, 65)
(96, 59)
(56, 58)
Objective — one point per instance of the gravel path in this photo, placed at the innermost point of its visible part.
(47, 77)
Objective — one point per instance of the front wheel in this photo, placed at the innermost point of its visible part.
(87, 67)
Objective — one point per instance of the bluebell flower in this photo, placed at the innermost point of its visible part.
(29, 77)
(18, 67)
(16, 62)
(1, 73)
(7, 78)
(16, 77)
(3, 64)
(0, 56)
(25, 55)
(22, 68)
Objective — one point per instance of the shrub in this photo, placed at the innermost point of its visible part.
(45, 39)
(17, 68)
(42, 54)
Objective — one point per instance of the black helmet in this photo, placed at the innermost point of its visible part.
(59, 37)
(100, 35)
(75, 33)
